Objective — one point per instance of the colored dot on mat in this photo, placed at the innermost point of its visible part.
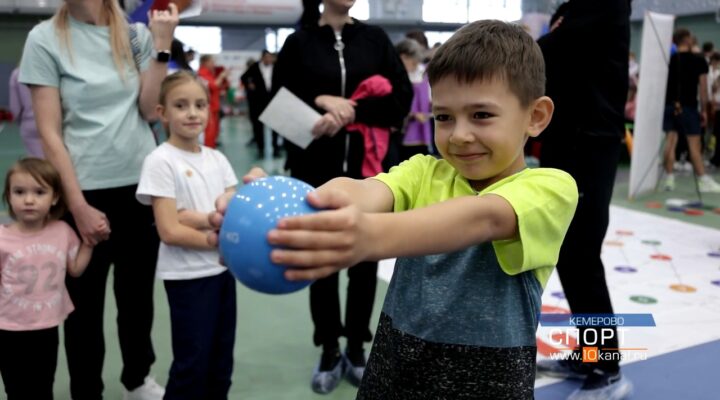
(624, 233)
(643, 299)
(716, 210)
(559, 295)
(652, 242)
(716, 283)
(714, 254)
(694, 212)
(676, 209)
(625, 268)
(683, 288)
(661, 257)
(653, 204)
(613, 243)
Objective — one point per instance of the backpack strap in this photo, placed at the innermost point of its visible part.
(135, 45)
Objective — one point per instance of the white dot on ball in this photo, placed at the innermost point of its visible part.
(259, 205)
(272, 198)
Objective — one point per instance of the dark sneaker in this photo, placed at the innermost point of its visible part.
(601, 385)
(328, 373)
(566, 369)
(355, 366)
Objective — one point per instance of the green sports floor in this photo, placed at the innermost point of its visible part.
(274, 355)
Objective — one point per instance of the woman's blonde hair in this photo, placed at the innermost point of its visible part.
(119, 35)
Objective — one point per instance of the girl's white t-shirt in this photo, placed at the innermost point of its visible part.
(195, 181)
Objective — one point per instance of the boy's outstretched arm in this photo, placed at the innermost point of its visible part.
(326, 242)
(369, 195)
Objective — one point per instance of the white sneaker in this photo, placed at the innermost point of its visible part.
(669, 184)
(708, 185)
(150, 390)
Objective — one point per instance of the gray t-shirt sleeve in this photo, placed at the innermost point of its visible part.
(39, 65)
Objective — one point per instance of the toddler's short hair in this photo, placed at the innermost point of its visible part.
(45, 174)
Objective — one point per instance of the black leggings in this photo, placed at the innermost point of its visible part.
(28, 360)
(325, 307)
(132, 249)
(592, 161)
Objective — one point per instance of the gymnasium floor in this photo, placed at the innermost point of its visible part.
(274, 356)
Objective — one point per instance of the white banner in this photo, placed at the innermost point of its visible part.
(648, 136)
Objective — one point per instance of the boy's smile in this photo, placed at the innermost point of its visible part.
(481, 128)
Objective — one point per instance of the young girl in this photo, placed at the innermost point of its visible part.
(35, 251)
(182, 179)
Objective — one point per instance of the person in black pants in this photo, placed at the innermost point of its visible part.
(257, 81)
(132, 250)
(586, 58)
(323, 63)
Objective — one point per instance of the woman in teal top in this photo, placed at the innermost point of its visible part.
(93, 92)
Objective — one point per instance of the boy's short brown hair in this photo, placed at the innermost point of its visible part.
(45, 174)
(490, 49)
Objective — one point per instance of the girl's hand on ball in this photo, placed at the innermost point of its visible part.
(215, 218)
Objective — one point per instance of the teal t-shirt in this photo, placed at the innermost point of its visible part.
(488, 294)
(102, 128)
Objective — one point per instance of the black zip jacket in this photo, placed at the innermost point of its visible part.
(586, 64)
(308, 65)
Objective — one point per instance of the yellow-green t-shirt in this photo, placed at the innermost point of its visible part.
(544, 200)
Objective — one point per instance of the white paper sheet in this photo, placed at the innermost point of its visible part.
(193, 10)
(290, 117)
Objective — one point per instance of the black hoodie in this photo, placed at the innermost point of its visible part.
(586, 62)
(308, 65)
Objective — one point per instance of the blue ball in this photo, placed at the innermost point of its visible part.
(254, 210)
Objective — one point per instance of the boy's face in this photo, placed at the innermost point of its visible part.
(481, 127)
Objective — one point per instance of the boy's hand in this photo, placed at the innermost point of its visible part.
(215, 218)
(325, 242)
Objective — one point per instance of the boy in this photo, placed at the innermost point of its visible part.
(476, 233)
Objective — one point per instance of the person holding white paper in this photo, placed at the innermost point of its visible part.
(323, 63)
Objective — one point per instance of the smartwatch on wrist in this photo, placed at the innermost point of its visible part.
(162, 56)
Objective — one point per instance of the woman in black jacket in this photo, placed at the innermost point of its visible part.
(323, 63)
